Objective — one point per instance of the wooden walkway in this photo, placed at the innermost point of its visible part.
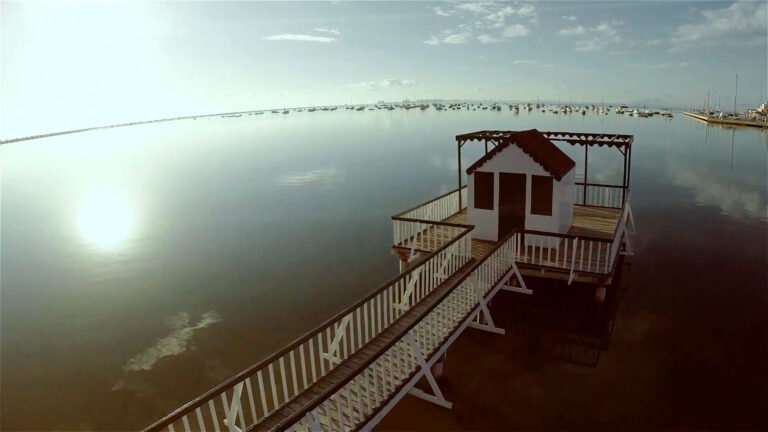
(373, 381)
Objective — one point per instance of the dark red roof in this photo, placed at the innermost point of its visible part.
(535, 145)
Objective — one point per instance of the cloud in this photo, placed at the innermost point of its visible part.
(458, 38)
(488, 18)
(327, 30)
(526, 10)
(608, 29)
(173, 344)
(515, 30)
(486, 38)
(572, 31)
(570, 17)
(385, 84)
(300, 38)
(724, 25)
(440, 11)
(589, 45)
(597, 37)
(524, 62)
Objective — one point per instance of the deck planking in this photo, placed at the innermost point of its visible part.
(599, 222)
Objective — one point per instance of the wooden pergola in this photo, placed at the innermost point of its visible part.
(623, 144)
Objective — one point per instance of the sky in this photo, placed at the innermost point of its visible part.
(68, 65)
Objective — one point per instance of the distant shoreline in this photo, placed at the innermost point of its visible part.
(140, 122)
(31, 137)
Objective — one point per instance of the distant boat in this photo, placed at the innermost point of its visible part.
(286, 112)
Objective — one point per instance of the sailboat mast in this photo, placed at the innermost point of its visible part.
(736, 93)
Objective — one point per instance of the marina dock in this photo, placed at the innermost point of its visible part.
(727, 121)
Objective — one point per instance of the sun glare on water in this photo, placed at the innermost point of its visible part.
(105, 219)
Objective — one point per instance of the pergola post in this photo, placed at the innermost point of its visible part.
(624, 180)
(629, 161)
(458, 156)
(586, 159)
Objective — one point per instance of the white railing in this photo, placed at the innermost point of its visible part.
(424, 235)
(439, 208)
(621, 231)
(357, 400)
(599, 195)
(259, 391)
(565, 251)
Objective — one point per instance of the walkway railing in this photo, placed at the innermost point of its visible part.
(574, 253)
(599, 195)
(438, 209)
(423, 235)
(565, 251)
(621, 233)
(260, 390)
(373, 387)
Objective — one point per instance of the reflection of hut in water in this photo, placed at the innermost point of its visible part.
(566, 324)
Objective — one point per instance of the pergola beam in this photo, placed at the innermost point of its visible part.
(623, 144)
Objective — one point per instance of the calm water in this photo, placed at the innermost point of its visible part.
(143, 265)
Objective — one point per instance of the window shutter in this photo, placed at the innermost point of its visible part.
(541, 195)
(483, 190)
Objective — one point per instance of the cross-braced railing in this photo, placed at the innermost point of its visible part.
(260, 390)
(576, 253)
(440, 208)
(419, 235)
(363, 396)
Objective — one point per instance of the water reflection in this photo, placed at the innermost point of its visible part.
(322, 178)
(214, 222)
(565, 323)
(174, 343)
(727, 175)
(105, 219)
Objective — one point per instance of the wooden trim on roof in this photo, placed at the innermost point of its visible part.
(574, 138)
(535, 145)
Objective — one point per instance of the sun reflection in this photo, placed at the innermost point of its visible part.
(105, 219)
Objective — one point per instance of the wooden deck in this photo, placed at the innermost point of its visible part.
(599, 222)
(590, 223)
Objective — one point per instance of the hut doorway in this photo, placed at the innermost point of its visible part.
(511, 203)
